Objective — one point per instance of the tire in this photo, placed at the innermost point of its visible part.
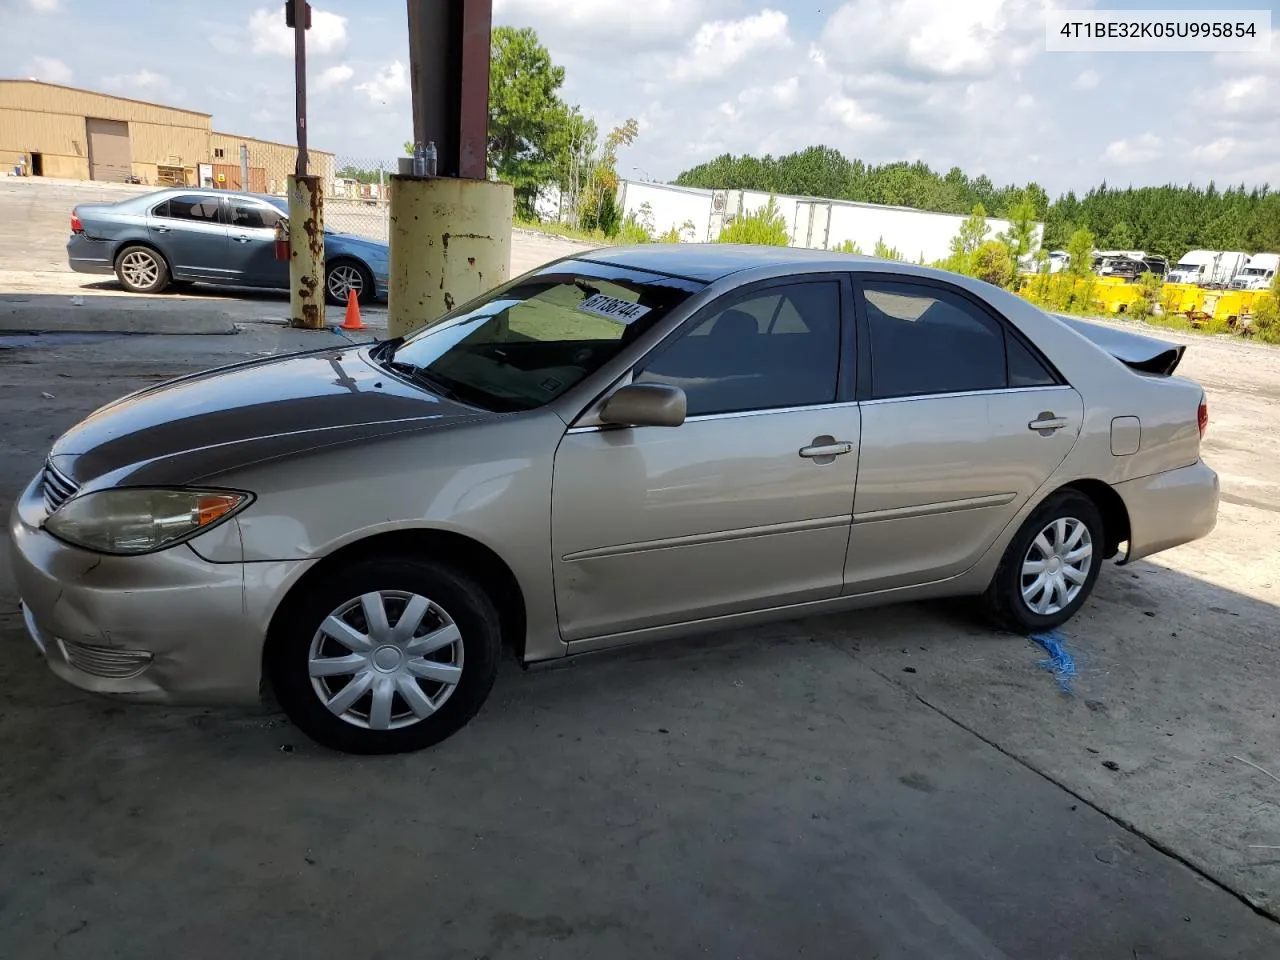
(141, 269)
(390, 662)
(339, 274)
(1066, 510)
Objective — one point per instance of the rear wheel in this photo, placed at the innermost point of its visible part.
(347, 276)
(384, 655)
(1050, 566)
(142, 270)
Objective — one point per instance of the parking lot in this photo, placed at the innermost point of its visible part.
(902, 782)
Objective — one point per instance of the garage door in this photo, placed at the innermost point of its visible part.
(108, 150)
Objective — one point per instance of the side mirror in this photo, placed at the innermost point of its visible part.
(645, 405)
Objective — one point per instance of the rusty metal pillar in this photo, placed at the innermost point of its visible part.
(450, 234)
(306, 253)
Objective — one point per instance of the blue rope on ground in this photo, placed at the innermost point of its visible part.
(1059, 662)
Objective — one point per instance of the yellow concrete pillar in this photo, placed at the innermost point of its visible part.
(450, 241)
(306, 253)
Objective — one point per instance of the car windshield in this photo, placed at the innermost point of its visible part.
(526, 343)
(1253, 272)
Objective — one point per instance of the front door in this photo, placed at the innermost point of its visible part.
(963, 421)
(251, 243)
(744, 506)
(192, 234)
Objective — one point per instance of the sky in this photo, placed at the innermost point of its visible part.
(950, 82)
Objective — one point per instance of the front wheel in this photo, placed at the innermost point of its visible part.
(346, 277)
(141, 270)
(1050, 566)
(384, 655)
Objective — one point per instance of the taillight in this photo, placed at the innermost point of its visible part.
(1202, 415)
(76, 225)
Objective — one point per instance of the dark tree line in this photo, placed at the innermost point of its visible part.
(1166, 220)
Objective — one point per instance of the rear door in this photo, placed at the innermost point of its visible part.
(251, 243)
(191, 232)
(962, 422)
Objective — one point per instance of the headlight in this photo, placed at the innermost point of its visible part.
(130, 520)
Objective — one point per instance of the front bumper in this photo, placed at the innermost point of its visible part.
(1170, 508)
(166, 627)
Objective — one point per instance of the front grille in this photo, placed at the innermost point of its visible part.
(57, 487)
(107, 662)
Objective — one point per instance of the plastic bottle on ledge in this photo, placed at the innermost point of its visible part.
(430, 156)
(419, 160)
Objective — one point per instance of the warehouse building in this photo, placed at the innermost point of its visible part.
(55, 131)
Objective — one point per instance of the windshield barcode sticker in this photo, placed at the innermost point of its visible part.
(613, 308)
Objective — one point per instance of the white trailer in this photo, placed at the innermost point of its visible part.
(811, 222)
(1258, 274)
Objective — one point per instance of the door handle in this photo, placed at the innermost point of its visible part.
(826, 448)
(160, 229)
(242, 239)
(1046, 423)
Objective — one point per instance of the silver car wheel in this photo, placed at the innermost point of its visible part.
(386, 660)
(1056, 566)
(140, 268)
(343, 279)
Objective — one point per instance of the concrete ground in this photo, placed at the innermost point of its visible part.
(893, 783)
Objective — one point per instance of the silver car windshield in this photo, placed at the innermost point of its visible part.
(527, 342)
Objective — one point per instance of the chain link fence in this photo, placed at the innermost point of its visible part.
(356, 191)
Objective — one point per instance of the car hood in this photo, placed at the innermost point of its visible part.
(209, 423)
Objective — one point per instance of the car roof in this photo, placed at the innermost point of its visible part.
(708, 262)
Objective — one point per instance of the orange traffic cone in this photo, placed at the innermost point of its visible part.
(352, 320)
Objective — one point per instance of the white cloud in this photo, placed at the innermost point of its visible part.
(45, 6)
(722, 44)
(851, 114)
(48, 69)
(146, 83)
(1087, 80)
(940, 37)
(1134, 151)
(1238, 97)
(268, 34)
(334, 77)
(586, 23)
(784, 91)
(388, 85)
(1215, 152)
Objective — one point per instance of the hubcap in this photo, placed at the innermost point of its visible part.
(140, 268)
(386, 660)
(343, 279)
(1056, 566)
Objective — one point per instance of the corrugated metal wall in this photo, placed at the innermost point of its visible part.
(50, 98)
(50, 120)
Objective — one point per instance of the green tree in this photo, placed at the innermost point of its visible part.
(886, 252)
(764, 226)
(1080, 249)
(599, 202)
(1021, 236)
(847, 246)
(525, 112)
(994, 263)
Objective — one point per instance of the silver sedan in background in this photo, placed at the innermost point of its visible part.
(624, 445)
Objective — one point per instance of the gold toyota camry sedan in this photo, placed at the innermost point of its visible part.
(624, 445)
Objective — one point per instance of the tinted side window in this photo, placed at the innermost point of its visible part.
(777, 348)
(195, 208)
(925, 340)
(160, 209)
(1025, 368)
(252, 216)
